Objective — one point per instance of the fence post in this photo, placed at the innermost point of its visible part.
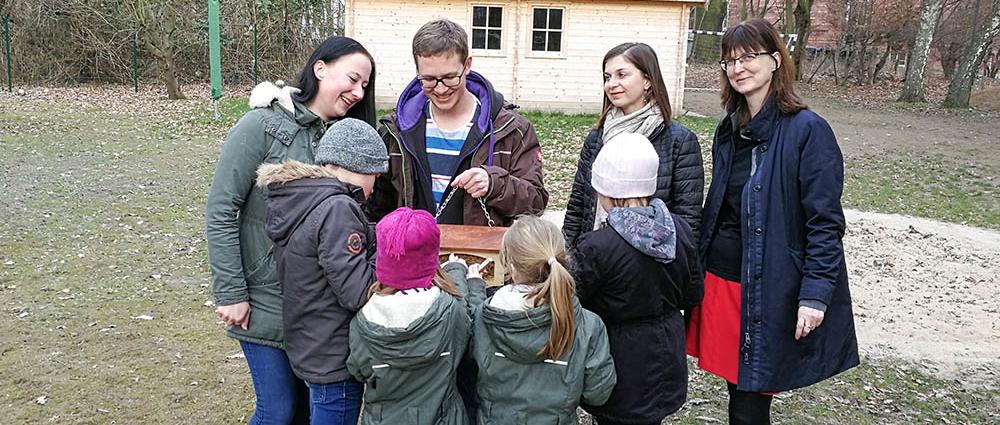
(135, 60)
(6, 36)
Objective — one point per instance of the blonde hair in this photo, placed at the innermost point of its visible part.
(527, 246)
(441, 280)
(629, 202)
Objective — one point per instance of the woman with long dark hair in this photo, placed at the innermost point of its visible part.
(636, 101)
(776, 314)
(286, 123)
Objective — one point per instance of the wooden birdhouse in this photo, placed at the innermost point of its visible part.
(475, 244)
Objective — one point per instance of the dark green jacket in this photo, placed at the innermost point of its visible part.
(410, 372)
(239, 252)
(516, 387)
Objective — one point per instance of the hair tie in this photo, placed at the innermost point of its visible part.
(552, 261)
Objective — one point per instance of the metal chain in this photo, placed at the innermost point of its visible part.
(489, 220)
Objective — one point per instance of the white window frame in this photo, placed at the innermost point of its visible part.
(561, 54)
(502, 51)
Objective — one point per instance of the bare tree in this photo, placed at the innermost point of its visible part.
(960, 87)
(803, 26)
(913, 88)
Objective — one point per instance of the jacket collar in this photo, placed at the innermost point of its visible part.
(760, 127)
(305, 117)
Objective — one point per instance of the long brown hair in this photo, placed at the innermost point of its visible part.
(644, 59)
(527, 246)
(751, 36)
(441, 280)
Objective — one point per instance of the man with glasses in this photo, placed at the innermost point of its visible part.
(455, 148)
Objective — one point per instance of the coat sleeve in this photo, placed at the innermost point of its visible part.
(474, 288)
(585, 273)
(599, 377)
(342, 248)
(577, 206)
(694, 291)
(688, 180)
(384, 196)
(357, 360)
(519, 190)
(245, 148)
(821, 184)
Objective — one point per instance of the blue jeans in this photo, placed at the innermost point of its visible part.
(282, 398)
(337, 403)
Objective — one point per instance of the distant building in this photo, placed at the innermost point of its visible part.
(540, 55)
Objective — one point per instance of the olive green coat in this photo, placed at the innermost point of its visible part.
(240, 254)
(517, 387)
(410, 372)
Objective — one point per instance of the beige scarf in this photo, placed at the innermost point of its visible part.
(644, 121)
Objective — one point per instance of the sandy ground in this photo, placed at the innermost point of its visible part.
(924, 291)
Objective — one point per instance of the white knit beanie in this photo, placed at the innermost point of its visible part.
(626, 167)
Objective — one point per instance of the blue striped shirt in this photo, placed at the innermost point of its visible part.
(443, 150)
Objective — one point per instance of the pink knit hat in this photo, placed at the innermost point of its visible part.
(406, 249)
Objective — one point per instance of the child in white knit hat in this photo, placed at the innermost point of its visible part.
(638, 272)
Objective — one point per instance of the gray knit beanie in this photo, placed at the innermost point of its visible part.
(353, 145)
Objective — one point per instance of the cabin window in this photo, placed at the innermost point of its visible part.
(487, 24)
(546, 30)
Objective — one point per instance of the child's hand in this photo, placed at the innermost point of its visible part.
(476, 269)
(452, 258)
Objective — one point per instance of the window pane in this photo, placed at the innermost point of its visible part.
(478, 38)
(555, 37)
(478, 16)
(555, 19)
(496, 14)
(538, 41)
(539, 21)
(493, 40)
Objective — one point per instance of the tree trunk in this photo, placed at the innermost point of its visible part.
(881, 63)
(789, 16)
(916, 66)
(169, 76)
(803, 26)
(706, 47)
(960, 88)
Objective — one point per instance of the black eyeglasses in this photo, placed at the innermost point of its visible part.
(450, 82)
(743, 59)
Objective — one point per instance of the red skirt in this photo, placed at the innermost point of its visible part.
(713, 335)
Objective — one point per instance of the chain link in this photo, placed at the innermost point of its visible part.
(440, 209)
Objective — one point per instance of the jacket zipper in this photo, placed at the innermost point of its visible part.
(402, 159)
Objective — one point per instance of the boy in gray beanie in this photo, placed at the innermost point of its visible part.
(323, 248)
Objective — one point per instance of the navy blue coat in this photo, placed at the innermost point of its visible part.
(792, 226)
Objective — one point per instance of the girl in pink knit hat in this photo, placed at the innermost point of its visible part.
(408, 340)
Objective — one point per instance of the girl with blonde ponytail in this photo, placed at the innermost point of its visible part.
(638, 272)
(539, 353)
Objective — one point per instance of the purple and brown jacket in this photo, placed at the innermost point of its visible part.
(502, 142)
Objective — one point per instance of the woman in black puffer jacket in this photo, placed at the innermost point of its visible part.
(636, 101)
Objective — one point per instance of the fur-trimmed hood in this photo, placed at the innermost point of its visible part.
(268, 174)
(267, 92)
(294, 190)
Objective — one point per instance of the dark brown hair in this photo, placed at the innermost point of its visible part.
(751, 36)
(644, 59)
(441, 37)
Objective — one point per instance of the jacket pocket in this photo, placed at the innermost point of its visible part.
(263, 272)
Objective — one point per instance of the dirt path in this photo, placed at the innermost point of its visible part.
(924, 291)
(961, 139)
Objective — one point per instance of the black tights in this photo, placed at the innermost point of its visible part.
(748, 408)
